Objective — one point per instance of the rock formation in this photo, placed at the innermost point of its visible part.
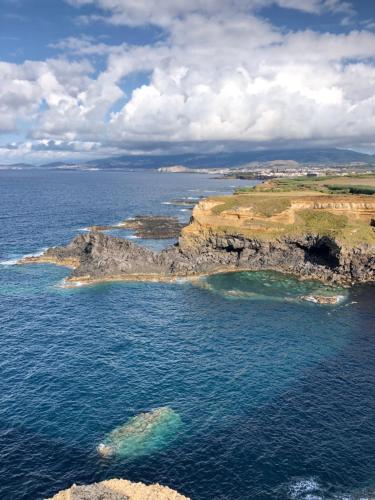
(119, 489)
(155, 227)
(313, 235)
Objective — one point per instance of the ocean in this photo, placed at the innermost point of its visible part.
(275, 397)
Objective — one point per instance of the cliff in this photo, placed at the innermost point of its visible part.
(119, 489)
(308, 232)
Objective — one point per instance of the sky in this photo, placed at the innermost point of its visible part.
(82, 79)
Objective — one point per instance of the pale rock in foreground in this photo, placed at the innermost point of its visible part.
(119, 489)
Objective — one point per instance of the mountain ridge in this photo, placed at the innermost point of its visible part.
(308, 156)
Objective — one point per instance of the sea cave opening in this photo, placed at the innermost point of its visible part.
(324, 252)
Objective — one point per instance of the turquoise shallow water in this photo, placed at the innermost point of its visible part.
(276, 396)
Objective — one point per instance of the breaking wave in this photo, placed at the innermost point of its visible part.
(14, 260)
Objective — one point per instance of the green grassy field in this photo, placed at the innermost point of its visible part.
(350, 184)
(276, 196)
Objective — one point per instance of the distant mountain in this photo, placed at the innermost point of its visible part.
(16, 166)
(328, 156)
(58, 164)
(308, 156)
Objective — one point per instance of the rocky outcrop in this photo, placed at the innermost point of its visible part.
(155, 227)
(119, 489)
(326, 238)
(96, 257)
(323, 299)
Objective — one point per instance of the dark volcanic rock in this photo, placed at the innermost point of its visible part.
(185, 202)
(99, 256)
(155, 227)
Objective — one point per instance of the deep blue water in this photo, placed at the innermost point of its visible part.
(276, 396)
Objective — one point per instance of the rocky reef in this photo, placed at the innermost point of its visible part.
(155, 227)
(119, 489)
(142, 434)
(313, 235)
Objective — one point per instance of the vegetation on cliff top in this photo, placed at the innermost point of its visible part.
(342, 207)
(348, 184)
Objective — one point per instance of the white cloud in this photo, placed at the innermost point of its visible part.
(242, 80)
(218, 76)
(23, 88)
(137, 12)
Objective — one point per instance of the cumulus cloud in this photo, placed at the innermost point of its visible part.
(219, 76)
(137, 12)
(24, 87)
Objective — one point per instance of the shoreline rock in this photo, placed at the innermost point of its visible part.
(311, 235)
(96, 257)
(323, 299)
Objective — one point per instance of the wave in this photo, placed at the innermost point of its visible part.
(14, 260)
(307, 488)
(311, 489)
(9, 262)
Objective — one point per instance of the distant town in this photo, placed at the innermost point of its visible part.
(273, 169)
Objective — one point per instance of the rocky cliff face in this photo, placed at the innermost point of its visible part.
(240, 239)
(100, 257)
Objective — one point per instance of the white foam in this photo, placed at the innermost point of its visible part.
(14, 261)
(70, 284)
(35, 254)
(84, 229)
(305, 488)
(166, 203)
(77, 283)
(9, 262)
(132, 237)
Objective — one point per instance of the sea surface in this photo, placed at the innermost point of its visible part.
(276, 396)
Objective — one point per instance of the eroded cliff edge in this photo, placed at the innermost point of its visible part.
(312, 234)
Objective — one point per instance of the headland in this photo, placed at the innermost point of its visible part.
(315, 228)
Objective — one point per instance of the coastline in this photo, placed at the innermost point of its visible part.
(73, 282)
(294, 227)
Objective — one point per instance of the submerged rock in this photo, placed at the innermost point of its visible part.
(119, 489)
(142, 434)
